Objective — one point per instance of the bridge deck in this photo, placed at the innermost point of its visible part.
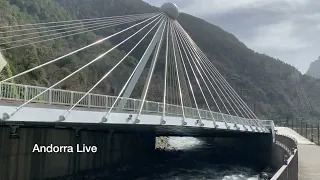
(47, 115)
(50, 105)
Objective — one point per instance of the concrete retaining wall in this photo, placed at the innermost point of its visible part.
(248, 148)
(285, 158)
(260, 151)
(277, 158)
(18, 162)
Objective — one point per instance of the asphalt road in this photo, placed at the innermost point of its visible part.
(309, 162)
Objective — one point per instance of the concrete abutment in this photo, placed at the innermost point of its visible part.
(244, 148)
(114, 149)
(18, 162)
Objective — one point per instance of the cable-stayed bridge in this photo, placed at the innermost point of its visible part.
(182, 94)
(186, 70)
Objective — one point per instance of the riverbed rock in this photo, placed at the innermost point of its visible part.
(162, 142)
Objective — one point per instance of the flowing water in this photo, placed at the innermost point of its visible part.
(187, 159)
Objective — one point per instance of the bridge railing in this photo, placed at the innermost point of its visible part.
(268, 124)
(22, 93)
(306, 127)
(289, 169)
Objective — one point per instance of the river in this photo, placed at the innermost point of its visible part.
(187, 159)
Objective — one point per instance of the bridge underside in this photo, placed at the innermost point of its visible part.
(84, 118)
(124, 128)
(115, 147)
(119, 141)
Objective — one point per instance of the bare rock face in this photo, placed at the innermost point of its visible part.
(162, 142)
(314, 69)
(3, 62)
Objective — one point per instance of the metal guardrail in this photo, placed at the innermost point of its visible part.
(269, 124)
(307, 128)
(286, 148)
(23, 93)
(289, 170)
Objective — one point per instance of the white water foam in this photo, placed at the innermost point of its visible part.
(180, 143)
(205, 172)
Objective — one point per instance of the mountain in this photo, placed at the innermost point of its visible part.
(314, 69)
(270, 86)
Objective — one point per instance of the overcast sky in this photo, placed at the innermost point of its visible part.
(284, 29)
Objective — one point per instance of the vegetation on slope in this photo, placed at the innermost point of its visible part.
(20, 59)
(269, 83)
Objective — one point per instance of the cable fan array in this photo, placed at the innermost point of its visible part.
(192, 86)
(27, 34)
(213, 80)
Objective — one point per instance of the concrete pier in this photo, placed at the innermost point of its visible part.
(18, 162)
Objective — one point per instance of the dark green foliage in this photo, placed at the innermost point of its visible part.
(269, 82)
(20, 59)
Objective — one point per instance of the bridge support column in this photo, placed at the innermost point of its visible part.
(143, 61)
(255, 148)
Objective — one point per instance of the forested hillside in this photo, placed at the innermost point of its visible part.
(31, 11)
(267, 84)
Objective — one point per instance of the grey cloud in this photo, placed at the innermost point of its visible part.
(242, 22)
(288, 30)
(179, 3)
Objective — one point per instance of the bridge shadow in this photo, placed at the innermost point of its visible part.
(216, 158)
(211, 159)
(121, 146)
